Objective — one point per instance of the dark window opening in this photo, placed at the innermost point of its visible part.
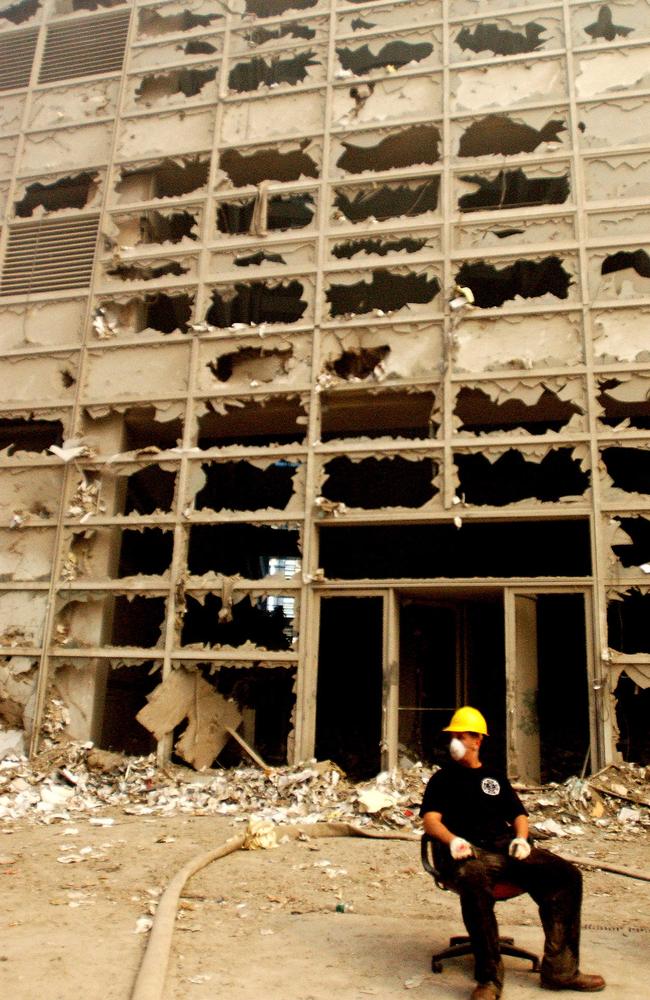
(430, 551)
(251, 364)
(386, 291)
(167, 313)
(265, 698)
(636, 413)
(396, 53)
(528, 279)
(479, 414)
(629, 468)
(512, 188)
(374, 483)
(267, 626)
(398, 414)
(350, 248)
(69, 192)
(257, 72)
(29, 434)
(283, 211)
(492, 38)
(253, 422)
(159, 86)
(252, 551)
(18, 13)
(146, 272)
(138, 621)
(148, 551)
(511, 478)
(415, 145)
(169, 227)
(270, 164)
(127, 688)
(498, 134)
(257, 302)
(195, 47)
(153, 23)
(348, 697)
(604, 27)
(636, 552)
(637, 260)
(627, 622)
(390, 201)
(242, 486)
(354, 366)
(167, 179)
(142, 430)
(632, 713)
(149, 490)
(260, 36)
(271, 8)
(261, 257)
(92, 5)
(156, 311)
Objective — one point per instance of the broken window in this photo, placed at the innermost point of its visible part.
(624, 401)
(396, 53)
(636, 551)
(526, 279)
(486, 37)
(423, 551)
(252, 551)
(512, 188)
(638, 260)
(166, 179)
(356, 365)
(377, 414)
(257, 72)
(511, 477)
(147, 271)
(161, 86)
(389, 201)
(386, 291)
(269, 164)
(147, 551)
(20, 12)
(257, 302)
(85, 47)
(77, 191)
(627, 621)
(150, 227)
(479, 413)
(151, 23)
(415, 145)
(282, 212)
(373, 483)
(157, 312)
(604, 27)
(149, 490)
(266, 700)
(249, 620)
(260, 36)
(132, 428)
(245, 486)
(632, 712)
(138, 621)
(253, 422)
(251, 364)
(127, 687)
(381, 247)
(502, 135)
(29, 434)
(628, 468)
(272, 8)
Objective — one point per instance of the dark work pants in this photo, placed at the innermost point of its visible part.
(554, 884)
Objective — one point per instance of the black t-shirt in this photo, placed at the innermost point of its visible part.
(476, 803)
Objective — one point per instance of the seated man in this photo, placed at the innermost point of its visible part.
(482, 831)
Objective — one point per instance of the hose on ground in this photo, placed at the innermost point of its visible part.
(150, 980)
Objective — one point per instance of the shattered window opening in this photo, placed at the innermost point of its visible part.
(248, 76)
(397, 414)
(501, 135)
(632, 711)
(512, 188)
(146, 272)
(390, 201)
(632, 413)
(374, 483)
(148, 491)
(166, 179)
(268, 164)
(636, 551)
(260, 36)
(638, 260)
(488, 37)
(396, 53)
(29, 434)
(147, 552)
(138, 621)
(153, 227)
(157, 87)
(627, 621)
(628, 468)
(512, 478)
(527, 279)
(478, 413)
(604, 27)
(20, 12)
(419, 144)
(251, 364)
(385, 291)
(249, 620)
(157, 312)
(244, 486)
(151, 23)
(260, 423)
(126, 693)
(351, 248)
(272, 8)
(257, 302)
(252, 551)
(283, 212)
(76, 191)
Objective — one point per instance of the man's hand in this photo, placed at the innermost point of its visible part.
(519, 849)
(460, 849)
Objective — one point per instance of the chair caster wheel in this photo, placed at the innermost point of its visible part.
(436, 966)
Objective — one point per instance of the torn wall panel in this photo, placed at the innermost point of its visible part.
(525, 232)
(249, 363)
(46, 379)
(136, 372)
(510, 83)
(22, 618)
(182, 51)
(185, 86)
(11, 113)
(500, 36)
(498, 134)
(616, 70)
(258, 119)
(617, 177)
(7, 153)
(385, 246)
(65, 149)
(621, 335)
(284, 36)
(624, 400)
(401, 352)
(153, 228)
(160, 179)
(412, 12)
(251, 261)
(531, 341)
(173, 18)
(183, 133)
(18, 683)
(619, 223)
(4, 191)
(149, 315)
(30, 495)
(609, 122)
(76, 104)
(63, 7)
(111, 430)
(397, 99)
(126, 270)
(620, 274)
(26, 555)
(613, 22)
(44, 324)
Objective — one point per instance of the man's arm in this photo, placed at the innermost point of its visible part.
(520, 826)
(519, 847)
(459, 848)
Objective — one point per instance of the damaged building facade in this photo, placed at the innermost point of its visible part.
(325, 336)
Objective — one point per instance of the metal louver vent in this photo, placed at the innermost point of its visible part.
(16, 57)
(85, 48)
(46, 256)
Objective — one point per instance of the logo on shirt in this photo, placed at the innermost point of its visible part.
(490, 786)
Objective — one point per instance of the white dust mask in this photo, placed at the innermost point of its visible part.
(457, 748)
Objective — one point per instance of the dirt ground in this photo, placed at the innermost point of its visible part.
(264, 924)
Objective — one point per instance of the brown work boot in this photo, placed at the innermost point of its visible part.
(485, 991)
(582, 982)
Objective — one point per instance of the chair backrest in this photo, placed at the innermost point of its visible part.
(428, 849)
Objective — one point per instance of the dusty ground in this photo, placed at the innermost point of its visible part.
(263, 924)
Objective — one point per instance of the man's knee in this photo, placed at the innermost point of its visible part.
(472, 875)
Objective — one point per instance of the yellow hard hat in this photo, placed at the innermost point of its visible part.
(467, 720)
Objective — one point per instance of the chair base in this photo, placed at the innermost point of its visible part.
(461, 945)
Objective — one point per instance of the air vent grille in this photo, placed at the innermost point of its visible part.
(85, 48)
(48, 256)
(16, 58)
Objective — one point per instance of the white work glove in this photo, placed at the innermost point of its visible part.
(460, 849)
(519, 849)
